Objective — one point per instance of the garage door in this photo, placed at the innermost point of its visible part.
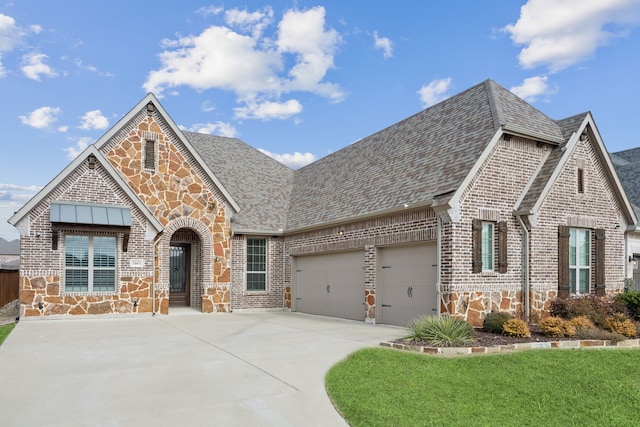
(406, 285)
(331, 285)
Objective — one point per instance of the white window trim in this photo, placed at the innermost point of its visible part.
(492, 246)
(266, 266)
(574, 287)
(90, 268)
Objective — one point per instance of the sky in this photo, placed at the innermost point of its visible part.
(296, 79)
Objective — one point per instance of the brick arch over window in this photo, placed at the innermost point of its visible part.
(206, 249)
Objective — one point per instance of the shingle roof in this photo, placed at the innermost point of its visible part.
(426, 156)
(260, 185)
(9, 248)
(566, 127)
(627, 164)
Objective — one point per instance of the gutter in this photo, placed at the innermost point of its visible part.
(350, 219)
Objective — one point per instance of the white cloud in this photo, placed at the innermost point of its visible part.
(559, 34)
(33, 66)
(533, 87)
(10, 37)
(80, 145)
(253, 23)
(210, 10)
(217, 128)
(384, 44)
(94, 120)
(267, 110)
(41, 118)
(435, 92)
(294, 161)
(302, 34)
(250, 63)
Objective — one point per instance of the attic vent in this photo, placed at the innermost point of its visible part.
(580, 180)
(150, 154)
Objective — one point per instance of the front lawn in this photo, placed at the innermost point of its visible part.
(386, 387)
(5, 330)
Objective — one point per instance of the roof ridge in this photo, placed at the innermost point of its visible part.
(494, 104)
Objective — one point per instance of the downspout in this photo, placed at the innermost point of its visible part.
(527, 284)
(439, 266)
(153, 274)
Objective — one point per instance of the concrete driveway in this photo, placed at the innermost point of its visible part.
(184, 369)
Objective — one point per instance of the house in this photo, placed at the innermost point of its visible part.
(9, 254)
(476, 204)
(627, 164)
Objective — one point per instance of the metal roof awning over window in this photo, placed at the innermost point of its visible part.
(89, 216)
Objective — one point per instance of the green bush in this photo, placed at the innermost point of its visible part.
(445, 331)
(494, 321)
(596, 308)
(516, 328)
(631, 301)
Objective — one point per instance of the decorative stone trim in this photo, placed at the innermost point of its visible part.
(457, 351)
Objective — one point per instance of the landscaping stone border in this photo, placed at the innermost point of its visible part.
(456, 351)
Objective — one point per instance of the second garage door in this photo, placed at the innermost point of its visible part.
(330, 285)
(407, 277)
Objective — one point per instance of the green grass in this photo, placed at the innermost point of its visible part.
(385, 387)
(5, 330)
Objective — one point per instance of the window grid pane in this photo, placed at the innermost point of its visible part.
(579, 261)
(487, 246)
(90, 263)
(256, 264)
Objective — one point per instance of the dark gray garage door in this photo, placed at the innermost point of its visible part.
(330, 284)
(406, 284)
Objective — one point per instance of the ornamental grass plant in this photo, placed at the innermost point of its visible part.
(445, 331)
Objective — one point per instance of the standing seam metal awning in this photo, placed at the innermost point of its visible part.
(88, 213)
(94, 216)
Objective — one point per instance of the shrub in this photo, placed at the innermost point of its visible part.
(581, 322)
(599, 334)
(596, 308)
(516, 328)
(620, 324)
(631, 300)
(555, 326)
(446, 331)
(493, 321)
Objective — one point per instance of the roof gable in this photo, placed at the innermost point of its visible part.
(150, 101)
(88, 152)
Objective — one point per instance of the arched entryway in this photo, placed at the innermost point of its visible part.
(185, 269)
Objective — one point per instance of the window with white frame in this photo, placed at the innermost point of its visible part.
(487, 246)
(256, 264)
(90, 263)
(579, 261)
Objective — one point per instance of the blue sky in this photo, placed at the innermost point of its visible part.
(297, 79)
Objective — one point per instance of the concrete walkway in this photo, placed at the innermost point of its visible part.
(184, 369)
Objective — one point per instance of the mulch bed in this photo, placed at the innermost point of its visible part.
(487, 339)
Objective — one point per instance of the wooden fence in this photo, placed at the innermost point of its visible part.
(9, 284)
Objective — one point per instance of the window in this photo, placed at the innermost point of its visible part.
(90, 263)
(150, 154)
(487, 246)
(256, 264)
(579, 261)
(485, 250)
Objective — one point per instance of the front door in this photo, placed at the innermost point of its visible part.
(179, 256)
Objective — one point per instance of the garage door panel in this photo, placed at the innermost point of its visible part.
(331, 285)
(407, 282)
